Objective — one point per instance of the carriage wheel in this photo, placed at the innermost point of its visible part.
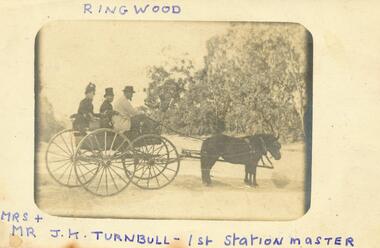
(104, 162)
(157, 162)
(59, 158)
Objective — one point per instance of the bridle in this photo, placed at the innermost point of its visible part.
(251, 150)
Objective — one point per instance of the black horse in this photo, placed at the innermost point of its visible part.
(246, 150)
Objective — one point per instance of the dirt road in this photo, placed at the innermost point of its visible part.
(280, 195)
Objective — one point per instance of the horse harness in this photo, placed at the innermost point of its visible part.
(251, 150)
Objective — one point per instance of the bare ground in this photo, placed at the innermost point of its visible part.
(280, 195)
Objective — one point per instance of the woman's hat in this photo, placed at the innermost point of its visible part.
(109, 92)
(90, 88)
(129, 89)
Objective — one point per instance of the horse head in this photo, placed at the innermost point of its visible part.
(270, 143)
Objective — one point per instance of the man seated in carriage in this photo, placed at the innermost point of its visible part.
(106, 110)
(123, 121)
(129, 120)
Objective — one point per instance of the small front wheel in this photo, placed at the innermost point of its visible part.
(157, 162)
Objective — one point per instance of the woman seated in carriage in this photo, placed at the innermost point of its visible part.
(124, 118)
(85, 114)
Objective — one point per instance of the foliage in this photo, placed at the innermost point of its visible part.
(253, 80)
(47, 123)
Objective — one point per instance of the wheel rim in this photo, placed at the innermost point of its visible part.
(157, 162)
(59, 158)
(110, 158)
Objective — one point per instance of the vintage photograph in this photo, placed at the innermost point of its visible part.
(173, 120)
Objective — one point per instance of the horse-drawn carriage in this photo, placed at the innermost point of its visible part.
(105, 162)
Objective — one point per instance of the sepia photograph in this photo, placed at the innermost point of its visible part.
(173, 120)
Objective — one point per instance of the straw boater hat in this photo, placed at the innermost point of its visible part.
(129, 89)
(109, 92)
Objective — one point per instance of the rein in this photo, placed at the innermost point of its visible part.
(196, 138)
(173, 130)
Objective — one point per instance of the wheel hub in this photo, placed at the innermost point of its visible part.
(151, 162)
(107, 163)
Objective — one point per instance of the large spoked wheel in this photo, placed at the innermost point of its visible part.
(157, 162)
(60, 158)
(104, 162)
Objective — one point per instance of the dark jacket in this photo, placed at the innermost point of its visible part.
(83, 116)
(106, 112)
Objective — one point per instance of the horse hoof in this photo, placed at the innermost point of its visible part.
(207, 184)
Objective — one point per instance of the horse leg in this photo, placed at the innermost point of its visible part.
(206, 164)
(254, 183)
(250, 181)
(246, 179)
(203, 170)
(210, 165)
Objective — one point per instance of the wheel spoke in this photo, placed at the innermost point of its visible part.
(120, 168)
(61, 160)
(113, 179)
(68, 179)
(113, 141)
(106, 181)
(61, 148)
(118, 175)
(166, 168)
(163, 174)
(160, 149)
(89, 171)
(84, 165)
(71, 152)
(72, 143)
(122, 143)
(142, 174)
(58, 154)
(83, 175)
(150, 149)
(156, 175)
(63, 173)
(96, 155)
(64, 164)
(165, 154)
(105, 143)
(97, 142)
(145, 148)
(153, 148)
(101, 176)
(141, 167)
(159, 170)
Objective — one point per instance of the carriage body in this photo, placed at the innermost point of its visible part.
(105, 162)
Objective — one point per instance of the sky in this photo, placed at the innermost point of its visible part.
(112, 54)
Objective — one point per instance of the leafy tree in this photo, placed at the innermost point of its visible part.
(253, 80)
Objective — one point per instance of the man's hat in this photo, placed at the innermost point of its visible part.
(109, 92)
(90, 88)
(129, 89)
